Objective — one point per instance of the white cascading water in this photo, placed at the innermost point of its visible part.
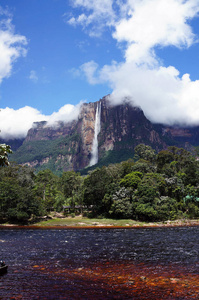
(94, 151)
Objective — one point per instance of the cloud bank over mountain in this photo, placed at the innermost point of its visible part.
(16, 123)
(141, 27)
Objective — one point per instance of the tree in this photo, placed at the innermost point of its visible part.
(126, 167)
(46, 188)
(4, 151)
(145, 152)
(151, 187)
(59, 202)
(71, 186)
(17, 198)
(164, 157)
(96, 185)
(145, 212)
(131, 180)
(143, 166)
(122, 206)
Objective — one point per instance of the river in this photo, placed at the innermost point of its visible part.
(137, 263)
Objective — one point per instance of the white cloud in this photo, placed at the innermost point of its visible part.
(16, 123)
(164, 96)
(89, 69)
(95, 16)
(143, 25)
(12, 45)
(151, 23)
(33, 76)
(66, 113)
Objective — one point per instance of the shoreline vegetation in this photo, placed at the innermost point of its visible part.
(150, 188)
(83, 222)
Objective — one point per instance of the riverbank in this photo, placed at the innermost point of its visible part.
(81, 222)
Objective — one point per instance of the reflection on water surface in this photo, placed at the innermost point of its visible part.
(150, 263)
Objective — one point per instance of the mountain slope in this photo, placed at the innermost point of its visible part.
(68, 146)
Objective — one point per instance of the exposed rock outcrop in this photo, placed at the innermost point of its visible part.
(68, 145)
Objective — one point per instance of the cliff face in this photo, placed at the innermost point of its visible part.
(69, 145)
(126, 126)
(66, 146)
(42, 132)
(184, 135)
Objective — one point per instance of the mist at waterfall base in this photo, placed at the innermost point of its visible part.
(94, 151)
(133, 263)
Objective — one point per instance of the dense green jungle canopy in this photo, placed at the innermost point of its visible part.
(149, 187)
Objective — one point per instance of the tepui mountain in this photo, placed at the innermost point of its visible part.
(102, 134)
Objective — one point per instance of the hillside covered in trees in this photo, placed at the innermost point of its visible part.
(150, 187)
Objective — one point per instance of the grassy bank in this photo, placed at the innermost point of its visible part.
(57, 219)
(80, 221)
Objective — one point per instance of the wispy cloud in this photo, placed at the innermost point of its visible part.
(95, 15)
(141, 27)
(33, 76)
(12, 45)
(89, 69)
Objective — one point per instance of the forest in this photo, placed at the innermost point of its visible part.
(149, 187)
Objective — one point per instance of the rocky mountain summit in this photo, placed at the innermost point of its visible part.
(102, 133)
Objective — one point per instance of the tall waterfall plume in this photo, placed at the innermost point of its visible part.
(94, 151)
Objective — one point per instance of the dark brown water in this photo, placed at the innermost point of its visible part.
(150, 263)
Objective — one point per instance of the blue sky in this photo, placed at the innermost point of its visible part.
(56, 53)
(54, 49)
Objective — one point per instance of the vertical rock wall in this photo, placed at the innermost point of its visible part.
(122, 127)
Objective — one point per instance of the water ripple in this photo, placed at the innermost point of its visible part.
(100, 263)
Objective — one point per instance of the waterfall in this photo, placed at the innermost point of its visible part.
(94, 151)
